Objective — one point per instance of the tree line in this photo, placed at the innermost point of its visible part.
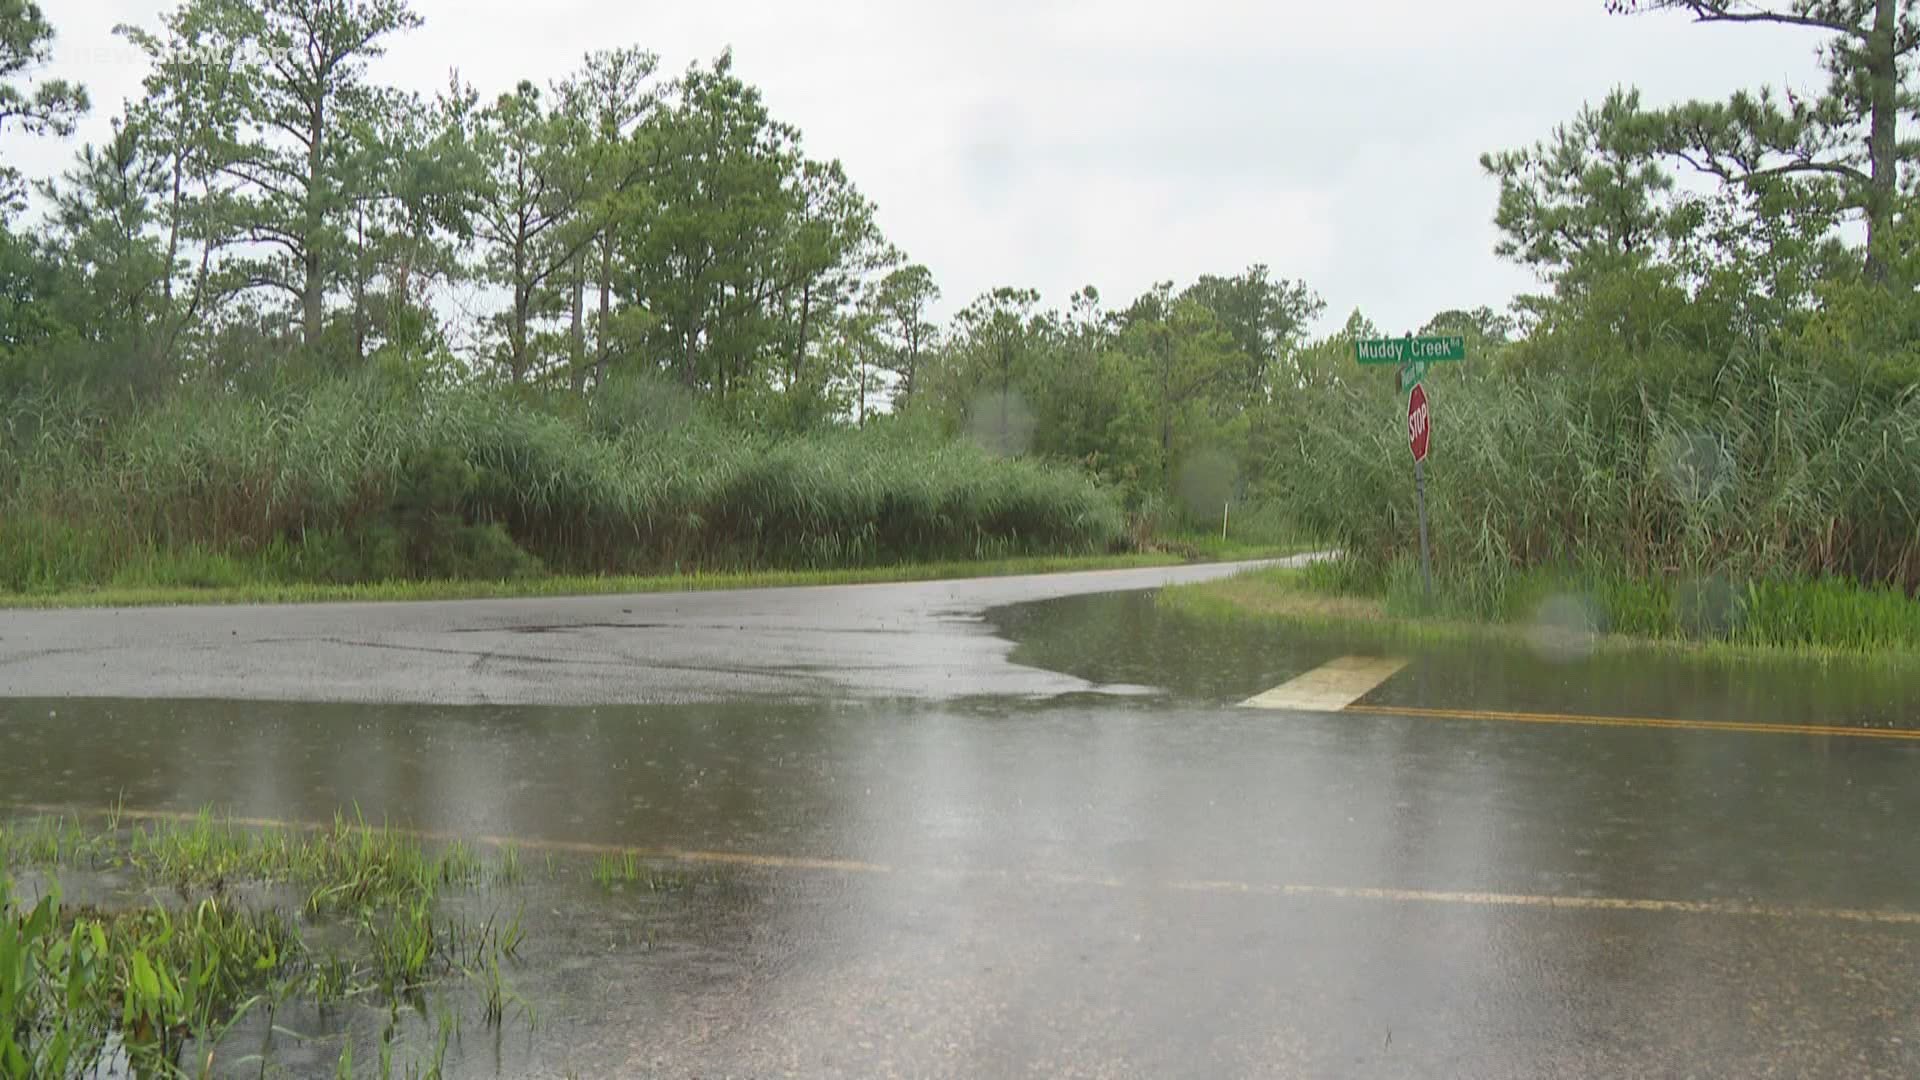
(265, 204)
(267, 210)
(1708, 420)
(1775, 218)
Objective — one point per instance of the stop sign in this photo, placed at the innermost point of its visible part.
(1419, 425)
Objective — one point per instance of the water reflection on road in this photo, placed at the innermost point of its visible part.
(1098, 886)
(1121, 638)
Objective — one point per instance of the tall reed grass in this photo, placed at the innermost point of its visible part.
(367, 478)
(1762, 469)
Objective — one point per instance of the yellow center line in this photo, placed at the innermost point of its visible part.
(726, 858)
(1582, 720)
(1559, 903)
(1445, 898)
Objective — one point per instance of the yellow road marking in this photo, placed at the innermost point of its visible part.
(1330, 687)
(1724, 908)
(1559, 903)
(1577, 719)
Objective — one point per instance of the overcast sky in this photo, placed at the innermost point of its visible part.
(1058, 143)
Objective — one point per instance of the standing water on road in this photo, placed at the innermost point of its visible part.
(1123, 638)
(1103, 885)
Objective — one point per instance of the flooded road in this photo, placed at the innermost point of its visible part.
(1138, 884)
(1120, 638)
(915, 640)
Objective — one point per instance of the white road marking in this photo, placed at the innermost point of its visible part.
(1330, 687)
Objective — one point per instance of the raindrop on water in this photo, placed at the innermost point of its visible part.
(1001, 422)
(1564, 628)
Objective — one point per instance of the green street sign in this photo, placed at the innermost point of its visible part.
(1411, 375)
(1409, 350)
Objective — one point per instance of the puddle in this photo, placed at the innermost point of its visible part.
(1128, 638)
(594, 962)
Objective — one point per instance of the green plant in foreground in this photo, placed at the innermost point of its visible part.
(435, 1068)
(511, 937)
(49, 842)
(496, 995)
(401, 943)
(458, 865)
(612, 870)
(38, 1036)
(150, 980)
(157, 982)
(506, 870)
(347, 867)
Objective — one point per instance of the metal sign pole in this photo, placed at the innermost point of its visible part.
(1426, 555)
(1414, 357)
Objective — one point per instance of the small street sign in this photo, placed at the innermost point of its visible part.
(1412, 375)
(1419, 424)
(1415, 356)
(1407, 350)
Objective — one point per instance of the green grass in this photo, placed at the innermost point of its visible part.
(349, 866)
(258, 592)
(611, 871)
(1820, 617)
(168, 968)
(71, 979)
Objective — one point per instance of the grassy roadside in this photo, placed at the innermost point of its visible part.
(275, 592)
(1816, 619)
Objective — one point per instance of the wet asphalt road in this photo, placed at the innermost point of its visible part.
(917, 640)
(1017, 884)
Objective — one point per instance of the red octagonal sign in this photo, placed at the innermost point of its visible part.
(1419, 424)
